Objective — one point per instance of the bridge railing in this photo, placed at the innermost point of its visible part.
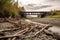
(32, 13)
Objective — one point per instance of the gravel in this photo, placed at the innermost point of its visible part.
(52, 21)
(28, 36)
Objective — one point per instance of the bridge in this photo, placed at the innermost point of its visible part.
(33, 13)
(41, 14)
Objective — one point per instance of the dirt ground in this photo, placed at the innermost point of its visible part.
(52, 21)
(28, 35)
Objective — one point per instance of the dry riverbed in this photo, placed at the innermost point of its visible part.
(52, 21)
(12, 28)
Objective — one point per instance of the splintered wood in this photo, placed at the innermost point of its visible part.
(21, 28)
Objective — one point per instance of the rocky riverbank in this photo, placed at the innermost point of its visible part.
(23, 30)
(52, 21)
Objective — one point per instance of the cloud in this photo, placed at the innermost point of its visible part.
(41, 4)
(53, 0)
(36, 7)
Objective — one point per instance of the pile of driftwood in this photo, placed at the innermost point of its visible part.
(22, 27)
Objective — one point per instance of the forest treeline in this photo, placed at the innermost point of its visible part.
(54, 14)
(9, 8)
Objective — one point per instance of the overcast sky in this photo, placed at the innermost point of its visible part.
(54, 3)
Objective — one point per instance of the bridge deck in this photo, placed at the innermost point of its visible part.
(33, 13)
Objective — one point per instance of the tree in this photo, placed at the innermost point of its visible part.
(9, 8)
(55, 12)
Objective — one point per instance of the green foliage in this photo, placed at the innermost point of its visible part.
(9, 8)
(55, 12)
(21, 9)
(54, 16)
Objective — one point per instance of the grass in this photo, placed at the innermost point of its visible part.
(54, 16)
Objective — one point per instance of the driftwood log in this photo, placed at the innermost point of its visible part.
(27, 29)
(20, 32)
(40, 31)
(16, 35)
(9, 29)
